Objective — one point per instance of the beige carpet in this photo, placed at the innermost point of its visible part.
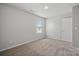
(43, 47)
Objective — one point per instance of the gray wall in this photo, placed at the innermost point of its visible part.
(17, 27)
(76, 26)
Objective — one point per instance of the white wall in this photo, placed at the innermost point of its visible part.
(55, 30)
(54, 27)
(76, 26)
(17, 27)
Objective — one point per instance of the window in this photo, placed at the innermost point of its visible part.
(39, 26)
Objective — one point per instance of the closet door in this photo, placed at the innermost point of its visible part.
(67, 29)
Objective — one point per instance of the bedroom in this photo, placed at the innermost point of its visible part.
(39, 29)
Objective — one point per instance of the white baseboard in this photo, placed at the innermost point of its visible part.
(18, 45)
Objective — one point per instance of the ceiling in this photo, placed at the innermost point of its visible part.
(54, 9)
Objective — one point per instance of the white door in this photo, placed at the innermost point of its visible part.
(67, 29)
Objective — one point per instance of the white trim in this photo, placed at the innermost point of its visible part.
(17, 45)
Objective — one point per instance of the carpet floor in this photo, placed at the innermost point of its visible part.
(43, 47)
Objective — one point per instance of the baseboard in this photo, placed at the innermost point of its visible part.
(18, 45)
(59, 40)
(51, 38)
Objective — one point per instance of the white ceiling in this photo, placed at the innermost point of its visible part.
(54, 9)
